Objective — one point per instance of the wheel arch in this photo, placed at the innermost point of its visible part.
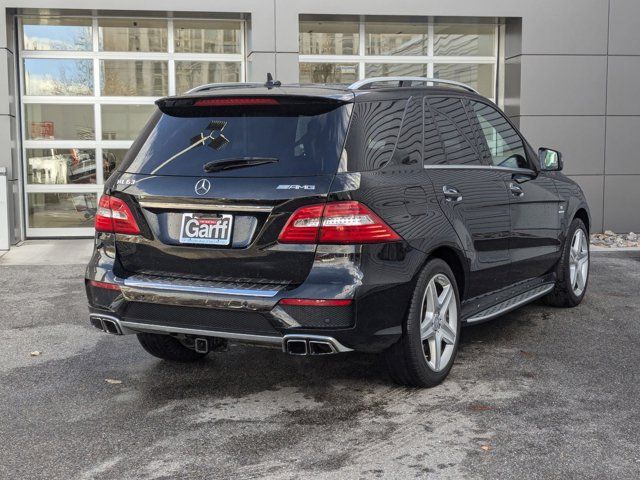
(583, 215)
(454, 259)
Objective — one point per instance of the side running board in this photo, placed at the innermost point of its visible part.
(511, 304)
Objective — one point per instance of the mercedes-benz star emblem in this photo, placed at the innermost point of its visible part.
(203, 186)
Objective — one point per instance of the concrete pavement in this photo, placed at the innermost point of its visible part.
(539, 393)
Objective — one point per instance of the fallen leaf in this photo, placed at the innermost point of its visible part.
(35, 353)
(113, 381)
(479, 407)
(486, 448)
(524, 353)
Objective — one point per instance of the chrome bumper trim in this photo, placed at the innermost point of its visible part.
(134, 282)
(163, 205)
(243, 337)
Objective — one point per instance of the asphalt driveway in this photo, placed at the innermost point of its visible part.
(539, 393)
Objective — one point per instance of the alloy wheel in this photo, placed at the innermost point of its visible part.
(579, 262)
(439, 322)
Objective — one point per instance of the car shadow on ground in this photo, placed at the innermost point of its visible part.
(243, 369)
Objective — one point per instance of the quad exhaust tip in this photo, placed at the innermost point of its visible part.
(106, 324)
(296, 347)
(321, 348)
(310, 345)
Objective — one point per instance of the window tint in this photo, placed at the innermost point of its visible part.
(454, 129)
(373, 134)
(433, 151)
(409, 147)
(303, 140)
(504, 145)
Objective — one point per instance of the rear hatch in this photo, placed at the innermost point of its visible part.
(212, 181)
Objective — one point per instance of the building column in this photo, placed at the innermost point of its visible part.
(261, 45)
(272, 45)
(12, 222)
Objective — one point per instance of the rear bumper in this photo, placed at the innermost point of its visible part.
(240, 325)
(304, 343)
(251, 312)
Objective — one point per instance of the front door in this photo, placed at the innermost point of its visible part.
(534, 203)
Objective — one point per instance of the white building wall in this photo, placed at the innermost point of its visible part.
(569, 66)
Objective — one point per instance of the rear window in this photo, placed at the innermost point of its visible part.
(304, 141)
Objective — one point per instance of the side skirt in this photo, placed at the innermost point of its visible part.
(510, 304)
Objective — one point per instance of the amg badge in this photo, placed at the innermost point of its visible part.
(296, 187)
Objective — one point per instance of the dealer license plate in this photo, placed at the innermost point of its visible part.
(206, 229)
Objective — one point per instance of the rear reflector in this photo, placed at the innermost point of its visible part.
(336, 223)
(114, 216)
(311, 302)
(226, 102)
(104, 285)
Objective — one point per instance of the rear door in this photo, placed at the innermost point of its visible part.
(213, 185)
(534, 201)
(472, 194)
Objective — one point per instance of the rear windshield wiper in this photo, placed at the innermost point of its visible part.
(240, 162)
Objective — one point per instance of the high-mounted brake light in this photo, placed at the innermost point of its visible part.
(228, 102)
(114, 216)
(336, 223)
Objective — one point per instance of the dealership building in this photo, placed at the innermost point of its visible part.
(77, 81)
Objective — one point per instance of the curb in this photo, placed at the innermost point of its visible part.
(597, 249)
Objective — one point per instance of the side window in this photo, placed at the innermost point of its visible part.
(373, 134)
(501, 140)
(433, 150)
(409, 147)
(450, 120)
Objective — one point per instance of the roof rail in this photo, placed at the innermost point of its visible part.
(408, 82)
(213, 86)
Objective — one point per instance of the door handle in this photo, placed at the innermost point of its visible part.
(516, 190)
(451, 194)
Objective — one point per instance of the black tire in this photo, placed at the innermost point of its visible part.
(406, 359)
(563, 294)
(168, 348)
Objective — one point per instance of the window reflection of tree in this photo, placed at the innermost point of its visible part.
(75, 79)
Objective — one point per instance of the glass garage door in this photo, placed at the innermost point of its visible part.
(87, 87)
(351, 48)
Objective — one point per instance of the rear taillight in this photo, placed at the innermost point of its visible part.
(336, 223)
(114, 216)
(302, 226)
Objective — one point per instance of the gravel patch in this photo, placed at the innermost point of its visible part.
(615, 240)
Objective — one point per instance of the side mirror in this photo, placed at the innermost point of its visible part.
(550, 160)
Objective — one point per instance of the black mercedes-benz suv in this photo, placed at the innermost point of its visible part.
(379, 217)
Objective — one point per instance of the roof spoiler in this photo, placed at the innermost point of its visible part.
(260, 104)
